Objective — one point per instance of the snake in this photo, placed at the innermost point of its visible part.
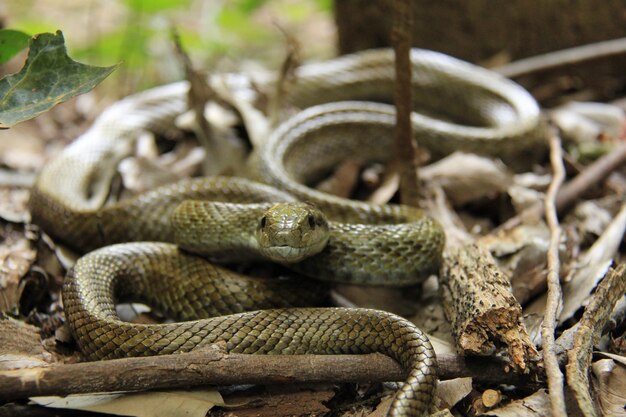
(147, 248)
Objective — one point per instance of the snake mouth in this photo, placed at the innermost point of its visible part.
(287, 253)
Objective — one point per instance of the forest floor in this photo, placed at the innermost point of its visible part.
(477, 199)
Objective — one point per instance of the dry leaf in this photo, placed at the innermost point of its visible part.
(16, 258)
(611, 386)
(177, 403)
(467, 177)
(592, 266)
(527, 190)
(240, 92)
(592, 218)
(14, 206)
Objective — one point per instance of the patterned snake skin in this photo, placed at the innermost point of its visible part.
(68, 201)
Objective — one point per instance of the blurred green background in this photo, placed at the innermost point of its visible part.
(219, 35)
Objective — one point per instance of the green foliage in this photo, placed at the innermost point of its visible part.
(11, 42)
(325, 5)
(136, 32)
(248, 6)
(154, 6)
(48, 77)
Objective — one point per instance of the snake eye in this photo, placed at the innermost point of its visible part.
(311, 221)
(263, 222)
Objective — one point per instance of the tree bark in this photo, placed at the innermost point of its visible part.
(479, 29)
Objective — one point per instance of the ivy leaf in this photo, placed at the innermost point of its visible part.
(11, 42)
(48, 78)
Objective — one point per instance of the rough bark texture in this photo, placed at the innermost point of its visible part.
(479, 29)
(485, 316)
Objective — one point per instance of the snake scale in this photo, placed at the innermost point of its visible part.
(69, 201)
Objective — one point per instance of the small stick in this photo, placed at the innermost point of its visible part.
(214, 367)
(286, 74)
(555, 376)
(562, 58)
(404, 145)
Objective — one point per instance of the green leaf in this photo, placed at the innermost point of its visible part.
(11, 42)
(49, 77)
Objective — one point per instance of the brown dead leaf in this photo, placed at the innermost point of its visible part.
(591, 267)
(16, 258)
(610, 386)
(177, 403)
(14, 204)
(467, 177)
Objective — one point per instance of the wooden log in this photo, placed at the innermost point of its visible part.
(485, 317)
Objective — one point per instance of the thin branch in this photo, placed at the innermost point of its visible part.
(214, 367)
(405, 147)
(555, 376)
(287, 74)
(565, 57)
(199, 94)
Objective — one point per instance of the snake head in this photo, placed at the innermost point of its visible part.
(291, 232)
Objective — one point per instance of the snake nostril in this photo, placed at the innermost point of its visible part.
(311, 221)
(263, 222)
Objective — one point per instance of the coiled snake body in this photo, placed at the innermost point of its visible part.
(394, 243)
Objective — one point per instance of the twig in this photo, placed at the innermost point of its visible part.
(404, 145)
(287, 73)
(199, 94)
(555, 376)
(575, 188)
(562, 58)
(214, 367)
(587, 334)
